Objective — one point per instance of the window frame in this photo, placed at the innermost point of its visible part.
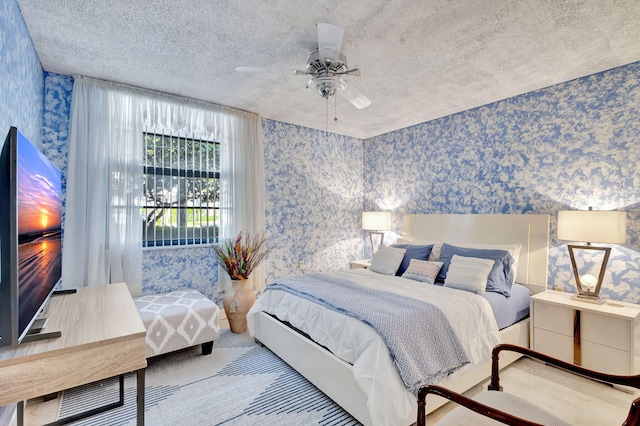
(181, 172)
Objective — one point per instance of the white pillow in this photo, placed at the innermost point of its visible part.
(387, 260)
(512, 249)
(468, 273)
(422, 270)
(435, 251)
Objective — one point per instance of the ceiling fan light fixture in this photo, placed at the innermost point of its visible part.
(326, 91)
(326, 86)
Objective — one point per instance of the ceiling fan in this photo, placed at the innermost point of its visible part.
(326, 66)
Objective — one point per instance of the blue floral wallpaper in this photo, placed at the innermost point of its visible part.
(55, 131)
(167, 269)
(569, 146)
(21, 77)
(314, 191)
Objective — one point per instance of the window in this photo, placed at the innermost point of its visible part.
(181, 191)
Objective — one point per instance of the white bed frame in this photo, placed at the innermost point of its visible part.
(334, 377)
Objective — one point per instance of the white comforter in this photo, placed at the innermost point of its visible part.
(389, 403)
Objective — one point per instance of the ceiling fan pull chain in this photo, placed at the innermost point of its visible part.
(335, 108)
(327, 115)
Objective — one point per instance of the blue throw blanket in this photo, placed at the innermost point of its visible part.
(420, 339)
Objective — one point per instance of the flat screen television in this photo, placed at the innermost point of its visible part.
(30, 235)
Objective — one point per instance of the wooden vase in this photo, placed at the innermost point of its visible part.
(237, 303)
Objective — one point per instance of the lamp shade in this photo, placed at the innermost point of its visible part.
(592, 226)
(376, 221)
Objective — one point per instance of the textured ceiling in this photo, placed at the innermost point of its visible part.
(420, 59)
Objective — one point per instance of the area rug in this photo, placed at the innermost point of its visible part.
(240, 383)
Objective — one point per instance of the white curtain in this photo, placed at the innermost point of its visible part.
(103, 224)
(242, 190)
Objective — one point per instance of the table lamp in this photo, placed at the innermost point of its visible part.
(591, 226)
(376, 223)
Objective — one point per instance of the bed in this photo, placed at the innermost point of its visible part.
(354, 368)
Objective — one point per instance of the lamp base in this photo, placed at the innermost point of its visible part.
(585, 294)
(589, 299)
(373, 247)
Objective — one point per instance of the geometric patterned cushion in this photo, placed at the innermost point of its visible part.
(423, 270)
(177, 320)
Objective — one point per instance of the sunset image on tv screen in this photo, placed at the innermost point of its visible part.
(39, 230)
(39, 203)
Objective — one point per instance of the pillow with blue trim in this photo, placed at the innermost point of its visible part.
(420, 252)
(501, 276)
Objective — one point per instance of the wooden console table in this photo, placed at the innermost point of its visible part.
(102, 336)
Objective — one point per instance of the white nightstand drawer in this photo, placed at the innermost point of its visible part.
(605, 330)
(605, 341)
(553, 344)
(554, 318)
(605, 359)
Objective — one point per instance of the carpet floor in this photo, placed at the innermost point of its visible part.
(240, 383)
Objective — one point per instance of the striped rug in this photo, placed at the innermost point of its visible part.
(240, 383)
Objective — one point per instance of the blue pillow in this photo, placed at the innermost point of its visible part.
(412, 252)
(501, 275)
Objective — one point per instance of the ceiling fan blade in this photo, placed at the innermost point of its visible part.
(270, 70)
(352, 71)
(329, 41)
(355, 97)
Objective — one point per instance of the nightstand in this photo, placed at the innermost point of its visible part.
(364, 263)
(598, 337)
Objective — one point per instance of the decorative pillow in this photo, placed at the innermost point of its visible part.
(468, 273)
(513, 249)
(412, 252)
(435, 252)
(501, 276)
(422, 270)
(387, 260)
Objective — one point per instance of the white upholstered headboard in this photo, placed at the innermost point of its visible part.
(529, 230)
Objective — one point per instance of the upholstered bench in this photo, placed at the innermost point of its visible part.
(178, 320)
